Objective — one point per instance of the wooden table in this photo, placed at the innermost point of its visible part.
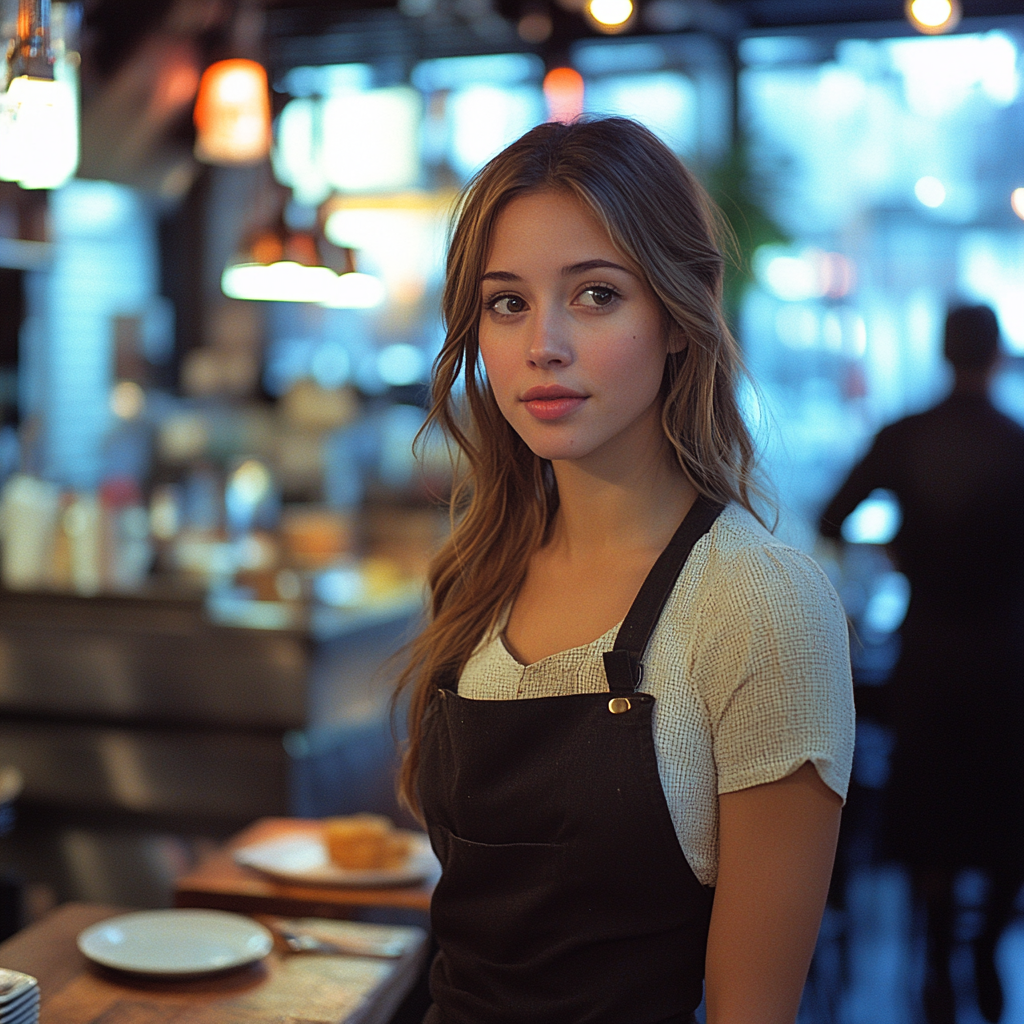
(221, 884)
(304, 989)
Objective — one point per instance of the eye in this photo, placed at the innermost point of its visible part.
(597, 295)
(507, 305)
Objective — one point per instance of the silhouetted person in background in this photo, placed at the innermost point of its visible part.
(956, 791)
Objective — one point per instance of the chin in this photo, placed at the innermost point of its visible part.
(554, 449)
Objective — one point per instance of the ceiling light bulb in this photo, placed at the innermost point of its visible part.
(38, 132)
(610, 14)
(933, 16)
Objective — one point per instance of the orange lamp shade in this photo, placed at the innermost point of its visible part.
(232, 113)
(563, 90)
(266, 248)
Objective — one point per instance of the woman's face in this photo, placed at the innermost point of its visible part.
(573, 340)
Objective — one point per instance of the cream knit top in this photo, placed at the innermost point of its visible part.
(750, 668)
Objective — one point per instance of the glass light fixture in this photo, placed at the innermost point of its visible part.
(290, 272)
(39, 111)
(286, 281)
(279, 264)
(283, 281)
(38, 133)
(232, 113)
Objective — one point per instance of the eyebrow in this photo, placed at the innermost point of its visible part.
(572, 268)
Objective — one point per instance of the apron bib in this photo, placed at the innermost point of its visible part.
(565, 897)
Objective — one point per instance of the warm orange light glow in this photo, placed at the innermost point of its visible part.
(267, 248)
(563, 90)
(1017, 202)
(933, 17)
(610, 15)
(232, 113)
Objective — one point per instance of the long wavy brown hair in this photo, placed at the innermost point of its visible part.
(505, 497)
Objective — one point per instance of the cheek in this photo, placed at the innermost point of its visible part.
(498, 366)
(636, 364)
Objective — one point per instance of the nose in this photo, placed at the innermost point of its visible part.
(549, 344)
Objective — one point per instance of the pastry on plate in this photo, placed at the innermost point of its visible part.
(365, 842)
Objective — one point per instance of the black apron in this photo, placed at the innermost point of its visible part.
(565, 896)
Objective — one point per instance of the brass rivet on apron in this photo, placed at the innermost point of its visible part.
(619, 705)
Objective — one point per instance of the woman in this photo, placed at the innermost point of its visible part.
(617, 818)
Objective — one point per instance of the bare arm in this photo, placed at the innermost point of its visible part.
(777, 845)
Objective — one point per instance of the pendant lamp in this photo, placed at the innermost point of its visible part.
(232, 113)
(39, 111)
(277, 264)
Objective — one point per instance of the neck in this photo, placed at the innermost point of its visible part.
(972, 381)
(631, 503)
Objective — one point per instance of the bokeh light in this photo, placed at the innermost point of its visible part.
(930, 192)
(610, 14)
(401, 364)
(1017, 202)
(933, 16)
(563, 91)
(127, 400)
(232, 113)
(279, 282)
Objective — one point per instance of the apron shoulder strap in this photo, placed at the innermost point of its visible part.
(622, 664)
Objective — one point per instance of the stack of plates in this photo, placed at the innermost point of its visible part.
(19, 998)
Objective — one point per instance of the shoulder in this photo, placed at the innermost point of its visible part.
(755, 614)
(748, 569)
(893, 438)
(770, 659)
(748, 604)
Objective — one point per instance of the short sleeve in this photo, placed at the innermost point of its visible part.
(773, 667)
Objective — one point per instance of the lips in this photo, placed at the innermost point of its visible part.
(550, 393)
(552, 401)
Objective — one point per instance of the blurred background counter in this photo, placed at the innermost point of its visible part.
(145, 705)
(144, 730)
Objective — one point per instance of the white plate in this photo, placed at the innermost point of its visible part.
(303, 858)
(176, 942)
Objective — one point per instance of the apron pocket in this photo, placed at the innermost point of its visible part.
(507, 886)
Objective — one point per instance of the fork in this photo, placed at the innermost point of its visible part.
(303, 942)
